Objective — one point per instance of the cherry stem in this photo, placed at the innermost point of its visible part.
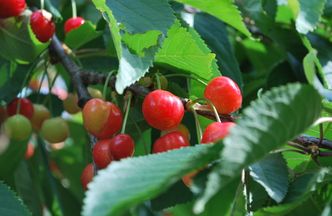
(40, 85)
(187, 76)
(158, 81)
(211, 105)
(74, 9)
(108, 78)
(128, 102)
(198, 126)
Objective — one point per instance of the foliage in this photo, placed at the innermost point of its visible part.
(278, 52)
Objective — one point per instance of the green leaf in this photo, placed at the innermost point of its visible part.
(134, 17)
(82, 35)
(11, 157)
(272, 173)
(309, 67)
(224, 10)
(186, 51)
(139, 42)
(300, 191)
(13, 84)
(176, 194)
(309, 15)
(10, 203)
(142, 16)
(278, 116)
(215, 35)
(17, 41)
(132, 181)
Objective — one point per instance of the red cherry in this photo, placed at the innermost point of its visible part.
(42, 25)
(102, 119)
(26, 107)
(173, 140)
(73, 23)
(87, 176)
(225, 94)
(122, 146)
(11, 8)
(101, 153)
(162, 109)
(30, 151)
(216, 131)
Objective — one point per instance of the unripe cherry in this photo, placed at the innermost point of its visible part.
(26, 107)
(225, 94)
(101, 119)
(70, 104)
(41, 113)
(55, 130)
(162, 110)
(216, 131)
(42, 25)
(18, 127)
(122, 146)
(11, 8)
(170, 141)
(87, 176)
(101, 153)
(73, 23)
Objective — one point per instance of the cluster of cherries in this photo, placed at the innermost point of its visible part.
(40, 21)
(163, 111)
(21, 117)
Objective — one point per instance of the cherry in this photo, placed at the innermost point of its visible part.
(101, 119)
(26, 107)
(101, 153)
(170, 141)
(73, 23)
(181, 128)
(216, 131)
(225, 94)
(70, 104)
(42, 25)
(188, 178)
(55, 130)
(122, 146)
(163, 82)
(18, 127)
(95, 93)
(145, 81)
(30, 151)
(41, 113)
(162, 109)
(11, 8)
(87, 176)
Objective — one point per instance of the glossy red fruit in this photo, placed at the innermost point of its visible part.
(216, 131)
(162, 110)
(11, 8)
(42, 25)
(73, 23)
(170, 141)
(87, 176)
(26, 107)
(122, 146)
(101, 119)
(181, 128)
(101, 153)
(225, 94)
(30, 151)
